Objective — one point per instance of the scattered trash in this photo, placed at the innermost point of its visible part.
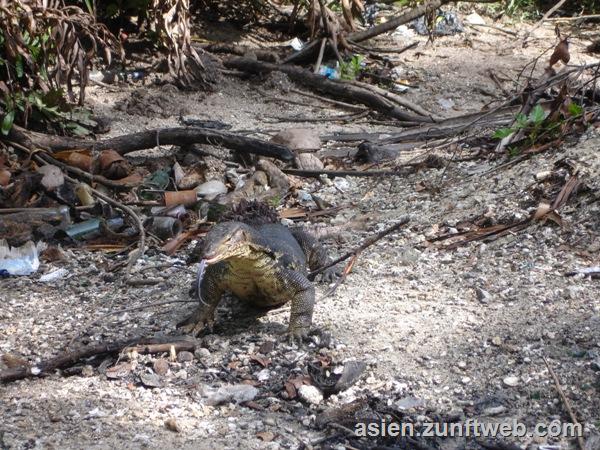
(474, 19)
(54, 275)
(22, 260)
(166, 227)
(446, 23)
(329, 72)
(92, 228)
(296, 44)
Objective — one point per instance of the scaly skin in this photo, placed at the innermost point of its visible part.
(264, 265)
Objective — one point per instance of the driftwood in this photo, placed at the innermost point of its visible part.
(68, 359)
(151, 138)
(336, 88)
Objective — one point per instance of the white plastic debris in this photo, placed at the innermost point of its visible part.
(296, 44)
(54, 275)
(20, 260)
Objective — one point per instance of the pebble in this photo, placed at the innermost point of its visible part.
(202, 353)
(310, 394)
(161, 366)
(236, 393)
(511, 381)
(185, 356)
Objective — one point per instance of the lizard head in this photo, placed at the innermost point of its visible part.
(226, 240)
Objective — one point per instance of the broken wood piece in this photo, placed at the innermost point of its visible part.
(334, 88)
(150, 138)
(70, 358)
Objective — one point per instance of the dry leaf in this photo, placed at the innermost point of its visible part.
(262, 360)
(561, 53)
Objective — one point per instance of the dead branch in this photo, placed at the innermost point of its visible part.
(149, 138)
(68, 359)
(342, 173)
(334, 88)
(565, 401)
(367, 243)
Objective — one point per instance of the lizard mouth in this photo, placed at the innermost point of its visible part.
(211, 259)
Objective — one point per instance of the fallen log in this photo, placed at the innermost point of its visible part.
(151, 138)
(335, 88)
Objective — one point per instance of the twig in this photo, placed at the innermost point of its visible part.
(341, 173)
(320, 57)
(502, 30)
(329, 100)
(341, 279)
(569, 19)
(544, 17)
(342, 118)
(367, 243)
(565, 401)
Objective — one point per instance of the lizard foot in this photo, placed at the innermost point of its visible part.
(199, 321)
(297, 335)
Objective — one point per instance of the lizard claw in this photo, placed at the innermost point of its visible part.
(197, 323)
(330, 275)
(297, 335)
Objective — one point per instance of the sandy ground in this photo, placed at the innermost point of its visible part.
(455, 333)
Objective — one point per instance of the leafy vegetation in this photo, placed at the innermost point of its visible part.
(44, 51)
(349, 70)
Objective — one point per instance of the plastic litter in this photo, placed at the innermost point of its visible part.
(54, 275)
(22, 260)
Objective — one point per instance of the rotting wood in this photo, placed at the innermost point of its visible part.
(148, 139)
(335, 88)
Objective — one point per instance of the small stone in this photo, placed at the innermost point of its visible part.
(494, 410)
(511, 381)
(161, 366)
(465, 380)
(263, 375)
(211, 189)
(266, 347)
(310, 394)
(150, 380)
(308, 161)
(482, 295)
(462, 365)
(185, 356)
(497, 341)
(87, 371)
(236, 393)
(202, 353)
(172, 425)
(474, 19)
(298, 139)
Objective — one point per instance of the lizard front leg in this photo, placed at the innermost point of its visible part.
(303, 303)
(211, 291)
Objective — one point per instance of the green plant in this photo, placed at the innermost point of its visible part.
(43, 50)
(530, 124)
(349, 70)
(537, 127)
